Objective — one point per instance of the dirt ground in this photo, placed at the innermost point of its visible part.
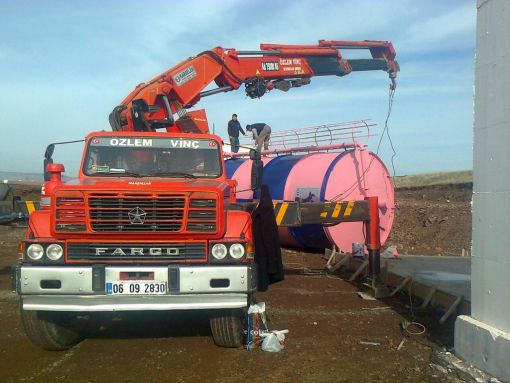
(327, 320)
(433, 220)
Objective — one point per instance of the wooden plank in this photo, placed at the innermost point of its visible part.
(450, 311)
(360, 269)
(402, 284)
(419, 290)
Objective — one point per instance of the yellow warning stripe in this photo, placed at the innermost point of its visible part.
(336, 211)
(348, 210)
(30, 207)
(281, 213)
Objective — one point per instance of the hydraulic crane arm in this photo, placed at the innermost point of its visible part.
(152, 105)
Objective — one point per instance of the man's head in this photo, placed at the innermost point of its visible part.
(141, 155)
(234, 117)
(140, 160)
(249, 128)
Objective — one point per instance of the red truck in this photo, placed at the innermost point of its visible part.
(147, 225)
(151, 221)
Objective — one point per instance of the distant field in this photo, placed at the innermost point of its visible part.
(415, 180)
(21, 178)
(428, 179)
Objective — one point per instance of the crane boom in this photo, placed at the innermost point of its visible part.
(152, 105)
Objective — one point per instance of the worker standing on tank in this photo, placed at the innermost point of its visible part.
(234, 127)
(261, 134)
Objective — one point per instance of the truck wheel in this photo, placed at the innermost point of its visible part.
(54, 331)
(227, 327)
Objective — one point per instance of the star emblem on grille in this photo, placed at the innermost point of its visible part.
(137, 216)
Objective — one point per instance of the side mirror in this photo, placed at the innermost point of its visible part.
(49, 151)
(48, 160)
(257, 168)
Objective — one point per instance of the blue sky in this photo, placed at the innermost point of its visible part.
(64, 65)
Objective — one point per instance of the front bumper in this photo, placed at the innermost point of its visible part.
(83, 288)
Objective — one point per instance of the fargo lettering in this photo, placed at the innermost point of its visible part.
(136, 251)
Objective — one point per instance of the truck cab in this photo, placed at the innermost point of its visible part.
(149, 224)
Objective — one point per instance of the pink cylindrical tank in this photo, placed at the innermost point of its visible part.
(239, 169)
(349, 175)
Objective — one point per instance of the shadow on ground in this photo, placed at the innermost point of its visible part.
(148, 324)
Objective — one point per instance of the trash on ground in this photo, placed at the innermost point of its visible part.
(390, 252)
(366, 296)
(368, 343)
(256, 325)
(274, 341)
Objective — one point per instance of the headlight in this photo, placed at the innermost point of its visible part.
(236, 251)
(54, 252)
(35, 251)
(219, 251)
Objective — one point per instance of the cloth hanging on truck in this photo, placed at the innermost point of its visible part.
(268, 256)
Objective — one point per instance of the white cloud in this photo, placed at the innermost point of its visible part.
(453, 29)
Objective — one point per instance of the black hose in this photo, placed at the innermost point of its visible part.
(220, 61)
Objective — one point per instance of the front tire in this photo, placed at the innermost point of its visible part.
(227, 327)
(53, 331)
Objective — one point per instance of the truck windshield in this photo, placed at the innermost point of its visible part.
(152, 156)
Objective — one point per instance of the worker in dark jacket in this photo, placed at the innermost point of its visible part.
(261, 134)
(234, 127)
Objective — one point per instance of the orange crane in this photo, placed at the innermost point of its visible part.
(152, 105)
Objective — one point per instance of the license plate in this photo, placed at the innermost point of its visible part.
(135, 288)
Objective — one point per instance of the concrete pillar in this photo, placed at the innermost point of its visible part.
(483, 338)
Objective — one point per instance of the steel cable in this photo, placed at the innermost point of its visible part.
(350, 189)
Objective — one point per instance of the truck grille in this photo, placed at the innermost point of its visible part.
(150, 212)
(70, 213)
(180, 251)
(117, 212)
(202, 215)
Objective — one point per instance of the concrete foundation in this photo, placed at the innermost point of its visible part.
(483, 346)
(484, 338)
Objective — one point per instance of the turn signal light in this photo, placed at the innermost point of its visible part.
(250, 250)
(21, 249)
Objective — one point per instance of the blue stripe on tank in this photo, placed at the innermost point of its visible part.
(276, 173)
(231, 166)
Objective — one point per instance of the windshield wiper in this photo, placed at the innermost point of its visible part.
(125, 173)
(171, 174)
